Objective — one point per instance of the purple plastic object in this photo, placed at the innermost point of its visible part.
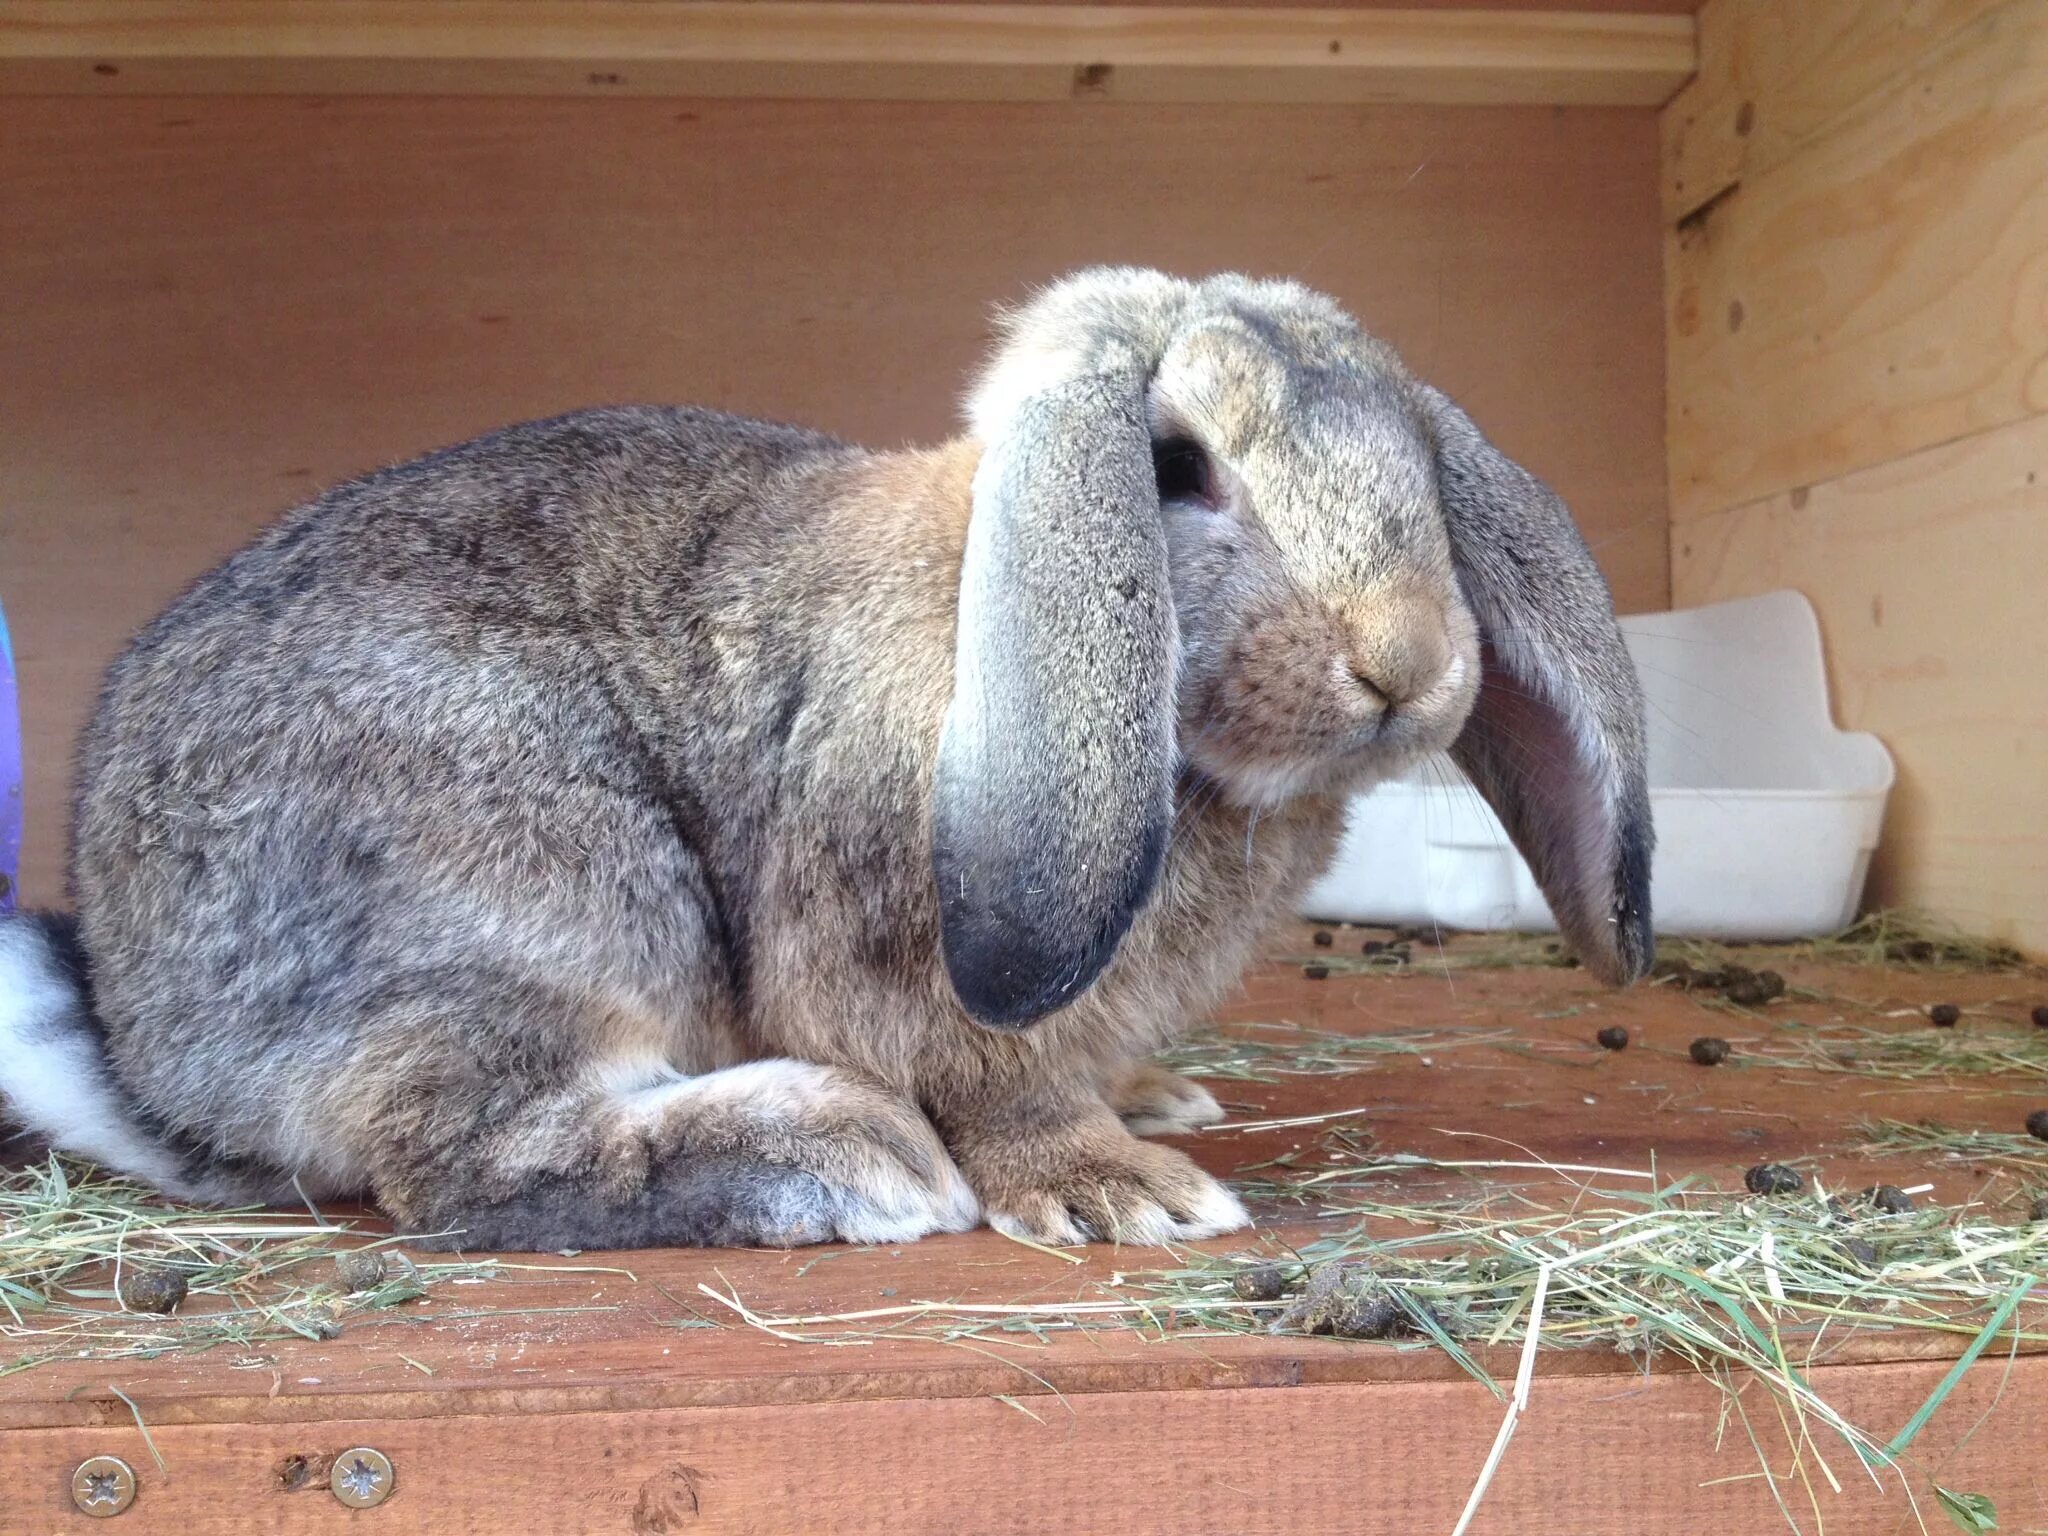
(10, 775)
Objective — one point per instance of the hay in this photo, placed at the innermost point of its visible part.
(1913, 939)
(1891, 937)
(1898, 1138)
(1444, 950)
(1888, 937)
(69, 1233)
(1682, 1267)
(1266, 1053)
(1734, 1286)
(1910, 1053)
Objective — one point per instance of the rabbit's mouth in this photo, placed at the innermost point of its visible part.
(1265, 780)
(1306, 708)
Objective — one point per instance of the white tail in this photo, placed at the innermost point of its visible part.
(55, 1079)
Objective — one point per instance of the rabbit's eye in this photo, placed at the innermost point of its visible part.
(1183, 471)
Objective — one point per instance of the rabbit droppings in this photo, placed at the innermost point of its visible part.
(651, 826)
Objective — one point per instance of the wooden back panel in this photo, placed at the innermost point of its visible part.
(210, 307)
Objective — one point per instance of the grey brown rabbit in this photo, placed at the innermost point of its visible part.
(650, 826)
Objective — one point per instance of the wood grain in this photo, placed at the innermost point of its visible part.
(1876, 294)
(1926, 572)
(1592, 1459)
(1773, 76)
(1858, 367)
(796, 48)
(1635, 7)
(211, 308)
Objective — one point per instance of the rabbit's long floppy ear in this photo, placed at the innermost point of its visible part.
(1054, 786)
(1556, 740)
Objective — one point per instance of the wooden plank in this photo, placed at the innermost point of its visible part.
(795, 48)
(1773, 76)
(1639, 7)
(210, 308)
(1097, 81)
(589, 1341)
(1879, 292)
(1926, 572)
(1590, 1460)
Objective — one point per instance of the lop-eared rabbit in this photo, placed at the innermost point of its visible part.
(652, 826)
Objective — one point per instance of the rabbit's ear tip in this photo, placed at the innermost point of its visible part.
(1006, 985)
(1636, 939)
(1621, 966)
(1630, 945)
(1021, 947)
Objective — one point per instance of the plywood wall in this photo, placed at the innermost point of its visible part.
(210, 307)
(1856, 202)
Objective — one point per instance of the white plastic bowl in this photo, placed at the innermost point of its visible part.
(1766, 814)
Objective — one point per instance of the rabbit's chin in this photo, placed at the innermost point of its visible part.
(1267, 782)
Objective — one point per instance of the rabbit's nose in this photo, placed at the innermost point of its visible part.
(1400, 654)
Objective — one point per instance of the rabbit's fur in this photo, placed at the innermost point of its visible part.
(654, 826)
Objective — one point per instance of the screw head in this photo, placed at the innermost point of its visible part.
(103, 1486)
(362, 1478)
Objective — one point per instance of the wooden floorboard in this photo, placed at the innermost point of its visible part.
(569, 1400)
(1597, 1459)
(795, 48)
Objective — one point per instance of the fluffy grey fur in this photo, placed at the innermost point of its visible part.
(611, 830)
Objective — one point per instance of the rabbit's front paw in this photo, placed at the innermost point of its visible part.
(1096, 1182)
(1156, 1102)
(842, 1159)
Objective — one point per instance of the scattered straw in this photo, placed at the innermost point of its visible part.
(1735, 1286)
(1518, 1403)
(1445, 950)
(1909, 1052)
(1266, 1053)
(1356, 1168)
(67, 1231)
(1899, 1137)
(1679, 1266)
(1895, 937)
(2020, 1289)
(1891, 937)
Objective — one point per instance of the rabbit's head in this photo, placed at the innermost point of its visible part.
(1220, 532)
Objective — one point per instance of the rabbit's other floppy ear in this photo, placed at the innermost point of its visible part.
(1054, 785)
(1556, 740)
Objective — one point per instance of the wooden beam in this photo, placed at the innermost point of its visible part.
(1595, 1458)
(1878, 292)
(802, 48)
(1773, 76)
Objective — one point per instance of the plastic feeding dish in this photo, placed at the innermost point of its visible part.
(1766, 814)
